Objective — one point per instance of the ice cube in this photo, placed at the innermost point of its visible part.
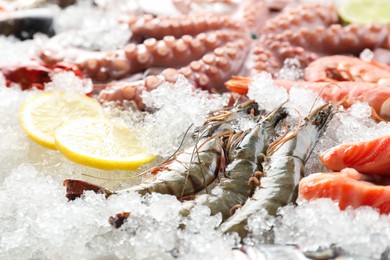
(291, 70)
(367, 55)
(263, 90)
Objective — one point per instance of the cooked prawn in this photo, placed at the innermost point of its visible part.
(345, 68)
(378, 97)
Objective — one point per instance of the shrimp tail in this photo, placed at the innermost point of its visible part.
(238, 84)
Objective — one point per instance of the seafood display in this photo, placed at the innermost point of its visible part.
(253, 112)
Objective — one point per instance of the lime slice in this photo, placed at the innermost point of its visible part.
(101, 144)
(42, 114)
(365, 11)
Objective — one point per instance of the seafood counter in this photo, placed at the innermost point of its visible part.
(186, 129)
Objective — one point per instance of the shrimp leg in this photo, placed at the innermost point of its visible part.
(283, 171)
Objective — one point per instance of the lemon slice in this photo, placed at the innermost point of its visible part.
(42, 114)
(102, 144)
(365, 11)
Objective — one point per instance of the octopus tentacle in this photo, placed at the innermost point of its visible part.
(188, 39)
(169, 52)
(215, 68)
(269, 55)
(301, 16)
(338, 39)
(149, 27)
(210, 72)
(254, 13)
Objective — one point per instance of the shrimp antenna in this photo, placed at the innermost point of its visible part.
(146, 171)
(342, 100)
(115, 179)
(319, 94)
(181, 143)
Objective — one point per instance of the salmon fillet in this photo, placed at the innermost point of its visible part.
(348, 187)
(368, 157)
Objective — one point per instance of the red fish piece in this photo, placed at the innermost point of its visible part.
(34, 74)
(348, 187)
(368, 157)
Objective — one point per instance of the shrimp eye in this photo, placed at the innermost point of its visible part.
(253, 109)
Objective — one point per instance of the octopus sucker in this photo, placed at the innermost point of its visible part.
(254, 13)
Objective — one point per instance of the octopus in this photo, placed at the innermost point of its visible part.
(310, 31)
(209, 41)
(205, 47)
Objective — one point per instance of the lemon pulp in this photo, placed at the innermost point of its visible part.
(42, 114)
(101, 143)
(365, 11)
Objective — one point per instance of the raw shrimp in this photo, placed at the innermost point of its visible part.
(184, 175)
(282, 172)
(348, 187)
(245, 161)
(188, 172)
(378, 97)
(369, 157)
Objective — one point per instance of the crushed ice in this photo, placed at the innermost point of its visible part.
(267, 94)
(69, 82)
(37, 222)
(263, 90)
(24, 49)
(291, 70)
(91, 28)
(178, 108)
(367, 55)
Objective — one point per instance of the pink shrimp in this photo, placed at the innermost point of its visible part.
(344, 68)
(347, 92)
